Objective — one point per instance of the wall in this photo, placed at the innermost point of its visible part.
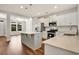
(7, 27)
(29, 25)
(45, 21)
(3, 17)
(24, 26)
(6, 30)
(36, 24)
(2, 26)
(78, 19)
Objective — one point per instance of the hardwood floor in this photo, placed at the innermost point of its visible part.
(15, 47)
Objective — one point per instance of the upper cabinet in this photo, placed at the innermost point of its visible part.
(67, 19)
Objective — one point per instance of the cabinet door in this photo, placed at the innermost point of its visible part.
(67, 19)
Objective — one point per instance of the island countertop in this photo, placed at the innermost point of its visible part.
(29, 32)
(70, 43)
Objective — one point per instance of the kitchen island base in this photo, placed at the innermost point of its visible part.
(32, 40)
(52, 50)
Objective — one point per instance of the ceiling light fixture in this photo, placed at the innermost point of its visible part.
(55, 6)
(21, 6)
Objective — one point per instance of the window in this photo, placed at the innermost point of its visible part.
(13, 27)
(19, 27)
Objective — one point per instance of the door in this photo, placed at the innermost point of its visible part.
(1, 28)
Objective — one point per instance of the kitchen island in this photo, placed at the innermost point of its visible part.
(31, 39)
(62, 45)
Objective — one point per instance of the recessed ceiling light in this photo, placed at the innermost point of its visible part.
(21, 6)
(55, 6)
(38, 13)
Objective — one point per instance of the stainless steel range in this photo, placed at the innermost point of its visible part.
(51, 33)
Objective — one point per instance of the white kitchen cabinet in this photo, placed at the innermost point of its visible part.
(67, 19)
(32, 40)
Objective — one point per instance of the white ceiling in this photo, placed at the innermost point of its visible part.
(35, 9)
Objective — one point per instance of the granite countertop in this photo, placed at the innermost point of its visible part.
(70, 43)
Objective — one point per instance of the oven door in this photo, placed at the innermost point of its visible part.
(50, 35)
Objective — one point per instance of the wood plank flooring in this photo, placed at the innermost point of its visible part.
(15, 47)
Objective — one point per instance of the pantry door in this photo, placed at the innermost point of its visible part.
(2, 28)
